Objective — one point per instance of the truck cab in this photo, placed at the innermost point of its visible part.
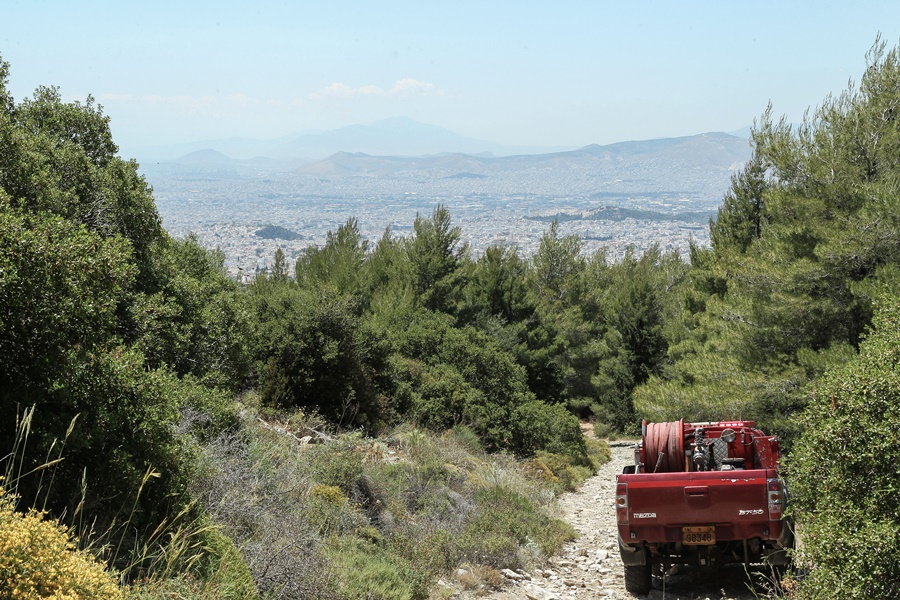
(701, 494)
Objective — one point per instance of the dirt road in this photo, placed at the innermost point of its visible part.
(590, 567)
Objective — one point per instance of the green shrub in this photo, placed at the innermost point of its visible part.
(538, 426)
(540, 470)
(329, 511)
(310, 352)
(432, 553)
(222, 568)
(598, 452)
(328, 494)
(466, 437)
(505, 521)
(602, 429)
(336, 464)
(183, 587)
(843, 472)
(369, 571)
(206, 412)
(563, 472)
(39, 559)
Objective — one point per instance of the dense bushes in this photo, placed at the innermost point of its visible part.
(311, 352)
(843, 472)
(109, 330)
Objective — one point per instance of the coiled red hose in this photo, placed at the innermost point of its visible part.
(664, 447)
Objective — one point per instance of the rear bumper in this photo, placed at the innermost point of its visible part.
(765, 543)
(773, 531)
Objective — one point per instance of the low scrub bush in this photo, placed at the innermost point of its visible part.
(561, 472)
(183, 587)
(256, 487)
(337, 464)
(504, 522)
(40, 559)
(598, 452)
(360, 518)
(551, 428)
(479, 577)
(369, 571)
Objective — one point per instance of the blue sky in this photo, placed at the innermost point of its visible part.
(559, 73)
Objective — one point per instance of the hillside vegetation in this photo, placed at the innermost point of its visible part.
(165, 413)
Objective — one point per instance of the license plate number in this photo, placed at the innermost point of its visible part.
(698, 536)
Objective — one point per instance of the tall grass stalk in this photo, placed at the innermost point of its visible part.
(23, 428)
(147, 475)
(59, 458)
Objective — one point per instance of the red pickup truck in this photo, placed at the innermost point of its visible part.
(701, 494)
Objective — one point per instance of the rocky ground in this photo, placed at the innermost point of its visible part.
(590, 567)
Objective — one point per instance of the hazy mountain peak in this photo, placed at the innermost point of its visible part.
(407, 124)
(206, 155)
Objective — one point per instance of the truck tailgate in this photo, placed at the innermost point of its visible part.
(731, 500)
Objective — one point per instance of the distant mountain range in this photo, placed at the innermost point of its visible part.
(396, 136)
(681, 172)
(685, 173)
(715, 151)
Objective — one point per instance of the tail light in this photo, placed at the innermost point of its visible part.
(776, 498)
(622, 503)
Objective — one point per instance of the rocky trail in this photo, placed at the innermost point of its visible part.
(590, 567)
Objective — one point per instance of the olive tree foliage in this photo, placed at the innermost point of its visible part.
(843, 471)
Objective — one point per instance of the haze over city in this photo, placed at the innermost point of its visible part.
(199, 91)
(560, 75)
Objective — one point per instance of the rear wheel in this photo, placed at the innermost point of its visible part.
(638, 578)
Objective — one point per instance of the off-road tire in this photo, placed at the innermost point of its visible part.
(638, 579)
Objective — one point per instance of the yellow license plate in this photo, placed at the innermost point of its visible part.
(698, 536)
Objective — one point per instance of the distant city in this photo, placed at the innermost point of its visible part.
(635, 194)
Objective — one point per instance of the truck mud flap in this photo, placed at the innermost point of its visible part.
(633, 555)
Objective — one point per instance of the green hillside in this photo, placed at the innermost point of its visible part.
(365, 420)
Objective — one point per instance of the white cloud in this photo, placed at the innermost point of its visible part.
(410, 85)
(344, 91)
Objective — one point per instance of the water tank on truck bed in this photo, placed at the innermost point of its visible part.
(701, 494)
